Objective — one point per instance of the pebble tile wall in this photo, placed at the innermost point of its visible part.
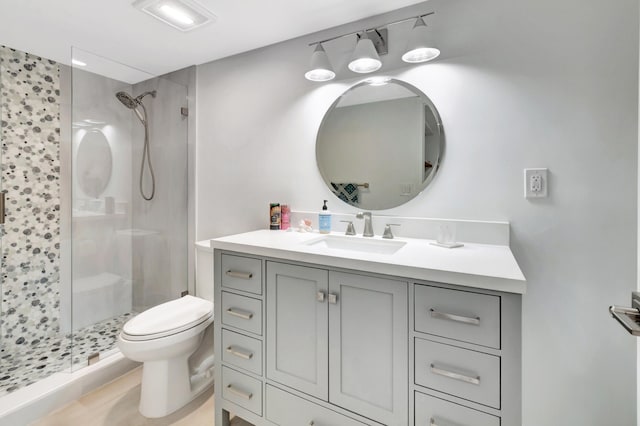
(30, 118)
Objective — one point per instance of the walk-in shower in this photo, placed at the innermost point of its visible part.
(133, 104)
(82, 253)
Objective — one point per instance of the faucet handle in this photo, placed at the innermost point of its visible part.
(387, 231)
(351, 230)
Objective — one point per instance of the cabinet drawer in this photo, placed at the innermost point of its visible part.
(461, 372)
(431, 411)
(242, 312)
(460, 315)
(285, 409)
(242, 351)
(242, 273)
(242, 390)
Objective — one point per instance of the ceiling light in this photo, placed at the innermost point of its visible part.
(320, 68)
(78, 63)
(90, 121)
(184, 15)
(365, 59)
(419, 47)
(176, 14)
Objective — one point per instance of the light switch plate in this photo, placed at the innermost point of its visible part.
(536, 183)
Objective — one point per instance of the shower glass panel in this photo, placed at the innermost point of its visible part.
(128, 251)
(33, 344)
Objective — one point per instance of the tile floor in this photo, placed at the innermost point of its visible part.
(27, 366)
(116, 404)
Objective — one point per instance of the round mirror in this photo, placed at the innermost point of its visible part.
(380, 144)
(93, 163)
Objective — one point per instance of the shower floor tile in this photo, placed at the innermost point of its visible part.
(24, 367)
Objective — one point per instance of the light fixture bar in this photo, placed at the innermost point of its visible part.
(373, 28)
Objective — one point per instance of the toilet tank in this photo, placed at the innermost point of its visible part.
(204, 270)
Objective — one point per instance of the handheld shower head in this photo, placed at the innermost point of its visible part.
(127, 100)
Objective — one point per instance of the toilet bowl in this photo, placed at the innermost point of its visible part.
(164, 338)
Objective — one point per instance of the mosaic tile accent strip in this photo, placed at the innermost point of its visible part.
(30, 364)
(30, 135)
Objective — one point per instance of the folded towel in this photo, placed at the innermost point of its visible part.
(347, 192)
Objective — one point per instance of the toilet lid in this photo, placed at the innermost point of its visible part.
(168, 318)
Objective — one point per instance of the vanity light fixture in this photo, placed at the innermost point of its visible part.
(370, 45)
(365, 58)
(320, 69)
(184, 15)
(419, 47)
(378, 80)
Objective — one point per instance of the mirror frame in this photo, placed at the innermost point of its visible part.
(425, 99)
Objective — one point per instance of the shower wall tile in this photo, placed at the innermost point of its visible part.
(30, 135)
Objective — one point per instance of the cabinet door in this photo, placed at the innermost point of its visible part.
(368, 348)
(297, 327)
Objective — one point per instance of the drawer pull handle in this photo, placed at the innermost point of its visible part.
(241, 275)
(433, 422)
(333, 298)
(452, 317)
(238, 392)
(240, 353)
(455, 376)
(240, 313)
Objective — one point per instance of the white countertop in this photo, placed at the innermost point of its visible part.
(484, 266)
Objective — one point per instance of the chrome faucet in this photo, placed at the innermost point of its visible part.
(368, 227)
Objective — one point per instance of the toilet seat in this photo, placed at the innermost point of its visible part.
(168, 318)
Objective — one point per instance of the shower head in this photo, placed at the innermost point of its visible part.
(127, 100)
(131, 102)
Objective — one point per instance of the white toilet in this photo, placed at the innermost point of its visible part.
(174, 340)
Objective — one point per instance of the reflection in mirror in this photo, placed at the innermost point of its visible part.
(380, 144)
(93, 162)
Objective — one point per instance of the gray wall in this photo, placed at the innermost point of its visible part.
(520, 84)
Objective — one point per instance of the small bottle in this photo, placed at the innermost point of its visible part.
(324, 219)
(274, 213)
(285, 219)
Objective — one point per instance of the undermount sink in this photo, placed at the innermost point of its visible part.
(357, 244)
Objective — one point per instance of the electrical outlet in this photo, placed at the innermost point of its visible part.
(535, 183)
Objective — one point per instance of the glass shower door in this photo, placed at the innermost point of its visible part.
(129, 253)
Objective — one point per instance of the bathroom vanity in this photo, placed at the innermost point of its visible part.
(325, 330)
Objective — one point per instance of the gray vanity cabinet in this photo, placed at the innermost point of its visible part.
(307, 344)
(297, 333)
(339, 337)
(368, 334)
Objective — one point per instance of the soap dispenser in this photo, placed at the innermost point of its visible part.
(324, 219)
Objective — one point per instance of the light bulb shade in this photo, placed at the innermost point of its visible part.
(320, 68)
(365, 57)
(419, 47)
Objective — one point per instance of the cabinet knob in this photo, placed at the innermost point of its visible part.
(333, 298)
(320, 296)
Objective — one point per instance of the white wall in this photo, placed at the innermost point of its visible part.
(520, 84)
